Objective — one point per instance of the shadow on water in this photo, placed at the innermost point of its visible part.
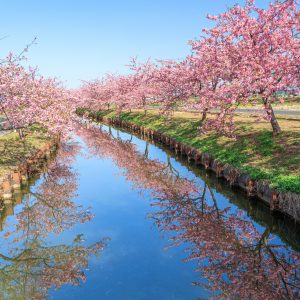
(233, 241)
(280, 224)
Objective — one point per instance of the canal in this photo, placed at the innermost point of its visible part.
(115, 216)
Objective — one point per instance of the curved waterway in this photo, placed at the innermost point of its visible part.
(114, 216)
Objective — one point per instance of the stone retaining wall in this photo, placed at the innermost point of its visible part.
(11, 183)
(285, 202)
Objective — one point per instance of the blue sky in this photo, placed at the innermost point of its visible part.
(84, 39)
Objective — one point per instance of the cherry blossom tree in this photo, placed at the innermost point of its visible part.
(28, 98)
(254, 55)
(250, 55)
(142, 89)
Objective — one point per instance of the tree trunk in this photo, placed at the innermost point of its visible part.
(203, 119)
(9, 121)
(21, 134)
(145, 112)
(275, 125)
(204, 115)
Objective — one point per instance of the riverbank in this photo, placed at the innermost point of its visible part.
(19, 158)
(265, 166)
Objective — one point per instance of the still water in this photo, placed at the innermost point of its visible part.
(114, 216)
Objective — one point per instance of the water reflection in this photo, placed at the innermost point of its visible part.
(30, 262)
(238, 258)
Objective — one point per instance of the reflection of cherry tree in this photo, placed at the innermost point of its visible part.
(155, 175)
(30, 271)
(33, 265)
(236, 258)
(230, 252)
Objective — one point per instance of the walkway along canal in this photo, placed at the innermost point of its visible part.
(125, 219)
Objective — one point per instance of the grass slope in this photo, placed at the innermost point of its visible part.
(254, 151)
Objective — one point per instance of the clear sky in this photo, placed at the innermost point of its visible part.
(84, 39)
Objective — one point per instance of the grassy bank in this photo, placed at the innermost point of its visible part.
(13, 150)
(255, 151)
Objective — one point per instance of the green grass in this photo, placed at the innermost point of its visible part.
(13, 150)
(255, 151)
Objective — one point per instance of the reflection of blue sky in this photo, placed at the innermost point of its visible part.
(135, 263)
(157, 153)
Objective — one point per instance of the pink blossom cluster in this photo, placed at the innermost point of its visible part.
(28, 98)
(250, 55)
